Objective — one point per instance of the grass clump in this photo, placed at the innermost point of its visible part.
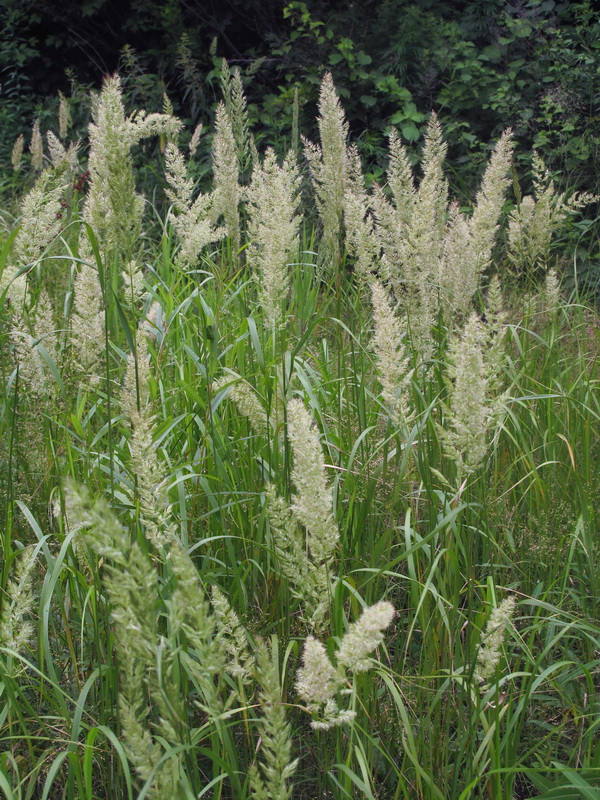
(374, 572)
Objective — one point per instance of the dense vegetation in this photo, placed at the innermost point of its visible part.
(482, 66)
(298, 476)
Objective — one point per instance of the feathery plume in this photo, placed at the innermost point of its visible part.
(151, 487)
(364, 636)
(237, 113)
(551, 295)
(471, 410)
(306, 562)
(87, 325)
(489, 653)
(190, 614)
(132, 587)
(458, 276)
(489, 202)
(246, 400)
(412, 232)
(392, 356)
(133, 282)
(112, 207)
(16, 630)
(318, 681)
(310, 581)
(195, 140)
(273, 203)
(36, 147)
(313, 502)
(239, 661)
(328, 167)
(400, 180)
(534, 222)
(13, 286)
(361, 241)
(192, 222)
(226, 173)
(494, 352)
(40, 225)
(60, 157)
(271, 781)
(17, 152)
(64, 116)
(40, 217)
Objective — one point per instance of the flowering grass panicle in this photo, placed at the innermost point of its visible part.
(64, 116)
(227, 176)
(31, 370)
(239, 661)
(61, 157)
(36, 147)
(17, 152)
(318, 681)
(112, 207)
(193, 222)
(310, 581)
(36, 350)
(464, 435)
(151, 704)
(392, 357)
(363, 636)
(16, 628)
(426, 230)
(133, 283)
(195, 139)
(494, 352)
(458, 277)
(190, 615)
(150, 483)
(551, 293)
(313, 502)
(488, 657)
(40, 216)
(359, 226)
(87, 326)
(270, 779)
(328, 165)
(132, 587)
(411, 233)
(45, 329)
(273, 202)
(401, 181)
(392, 219)
(305, 534)
(247, 401)
(489, 202)
(237, 112)
(536, 219)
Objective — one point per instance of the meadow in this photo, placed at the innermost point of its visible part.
(298, 479)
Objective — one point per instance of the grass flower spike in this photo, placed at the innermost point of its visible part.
(273, 200)
(489, 653)
(328, 167)
(318, 681)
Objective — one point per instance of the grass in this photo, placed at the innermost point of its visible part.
(442, 548)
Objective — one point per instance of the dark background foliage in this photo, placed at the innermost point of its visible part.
(484, 65)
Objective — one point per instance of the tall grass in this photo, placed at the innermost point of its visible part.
(152, 633)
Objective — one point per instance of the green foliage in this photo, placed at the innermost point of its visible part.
(482, 67)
